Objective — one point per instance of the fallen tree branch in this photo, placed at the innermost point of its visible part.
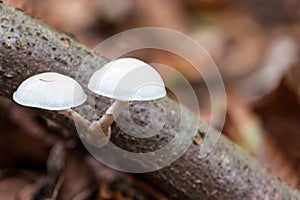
(28, 47)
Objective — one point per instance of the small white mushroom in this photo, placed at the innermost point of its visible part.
(125, 79)
(51, 91)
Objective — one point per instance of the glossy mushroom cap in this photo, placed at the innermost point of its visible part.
(51, 91)
(128, 79)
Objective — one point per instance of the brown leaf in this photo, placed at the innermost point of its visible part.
(273, 156)
(280, 112)
(31, 191)
(166, 14)
(242, 124)
(23, 140)
(78, 177)
(10, 187)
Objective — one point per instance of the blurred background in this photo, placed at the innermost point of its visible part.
(255, 45)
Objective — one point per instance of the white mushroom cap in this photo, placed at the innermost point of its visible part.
(128, 79)
(51, 91)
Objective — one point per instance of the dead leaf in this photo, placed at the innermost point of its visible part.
(280, 113)
(11, 187)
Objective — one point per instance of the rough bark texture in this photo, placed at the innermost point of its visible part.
(28, 47)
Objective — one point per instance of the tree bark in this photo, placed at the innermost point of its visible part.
(28, 47)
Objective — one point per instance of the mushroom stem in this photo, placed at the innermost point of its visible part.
(116, 108)
(72, 114)
(109, 117)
